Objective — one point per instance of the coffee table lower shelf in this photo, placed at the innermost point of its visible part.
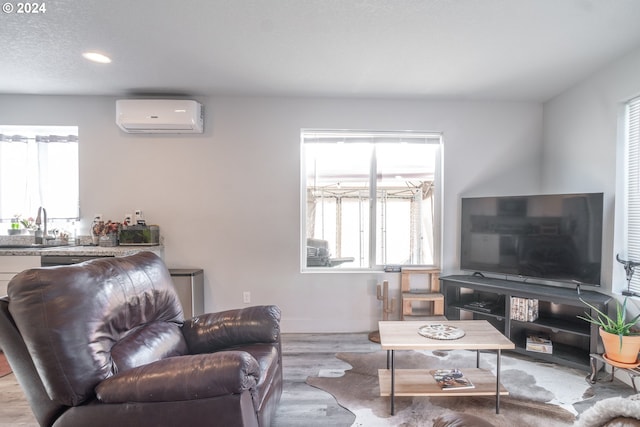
(420, 382)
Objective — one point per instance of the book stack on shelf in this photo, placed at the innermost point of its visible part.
(539, 344)
(524, 309)
(451, 379)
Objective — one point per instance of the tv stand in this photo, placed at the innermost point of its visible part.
(470, 297)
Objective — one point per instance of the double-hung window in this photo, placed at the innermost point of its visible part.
(39, 167)
(632, 190)
(370, 199)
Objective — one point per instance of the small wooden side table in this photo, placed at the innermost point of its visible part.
(595, 358)
(479, 335)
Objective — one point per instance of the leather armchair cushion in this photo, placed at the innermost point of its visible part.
(226, 329)
(183, 378)
(150, 342)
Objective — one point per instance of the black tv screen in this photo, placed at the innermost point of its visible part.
(555, 237)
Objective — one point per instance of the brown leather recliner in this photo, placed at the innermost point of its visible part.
(104, 343)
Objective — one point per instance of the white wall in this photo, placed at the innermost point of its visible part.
(228, 200)
(581, 146)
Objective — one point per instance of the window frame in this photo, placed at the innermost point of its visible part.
(373, 201)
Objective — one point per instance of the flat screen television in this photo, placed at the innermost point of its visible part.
(553, 237)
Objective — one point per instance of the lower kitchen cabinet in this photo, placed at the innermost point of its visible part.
(557, 308)
(12, 265)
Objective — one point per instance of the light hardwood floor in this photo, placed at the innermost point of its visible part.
(307, 355)
(304, 355)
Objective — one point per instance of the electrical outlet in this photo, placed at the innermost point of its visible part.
(246, 297)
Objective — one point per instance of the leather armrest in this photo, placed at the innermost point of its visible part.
(183, 378)
(227, 329)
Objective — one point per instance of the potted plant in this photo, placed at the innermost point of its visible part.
(28, 224)
(621, 342)
(107, 233)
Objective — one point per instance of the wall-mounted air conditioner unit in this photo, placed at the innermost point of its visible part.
(159, 116)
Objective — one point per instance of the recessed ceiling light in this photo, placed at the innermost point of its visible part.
(97, 57)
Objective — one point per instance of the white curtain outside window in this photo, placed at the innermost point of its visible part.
(39, 167)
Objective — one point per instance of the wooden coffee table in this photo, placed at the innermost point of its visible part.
(403, 335)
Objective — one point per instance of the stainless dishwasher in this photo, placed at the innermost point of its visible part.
(51, 260)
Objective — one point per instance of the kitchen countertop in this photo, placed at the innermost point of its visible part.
(81, 250)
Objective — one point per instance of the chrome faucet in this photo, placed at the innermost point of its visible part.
(41, 236)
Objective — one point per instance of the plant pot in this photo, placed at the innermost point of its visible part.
(108, 240)
(627, 354)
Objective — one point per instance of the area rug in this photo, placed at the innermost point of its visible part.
(5, 369)
(540, 393)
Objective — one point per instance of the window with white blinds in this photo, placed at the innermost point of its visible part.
(632, 214)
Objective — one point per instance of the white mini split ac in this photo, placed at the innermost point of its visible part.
(159, 116)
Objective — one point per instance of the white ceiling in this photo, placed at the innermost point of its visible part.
(454, 49)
